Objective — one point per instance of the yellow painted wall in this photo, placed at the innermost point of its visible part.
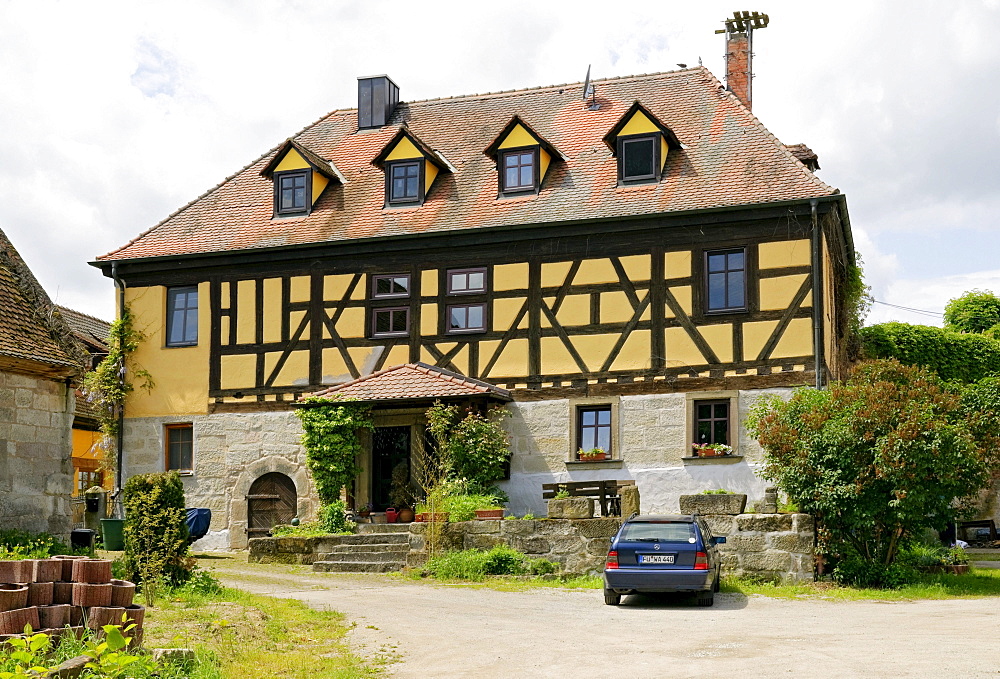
(429, 282)
(518, 137)
(830, 339)
(544, 159)
(720, 338)
(299, 289)
(404, 150)
(755, 336)
(681, 349)
(796, 340)
(505, 311)
(783, 253)
(556, 359)
(777, 293)
(334, 364)
(351, 323)
(272, 310)
(596, 271)
(615, 307)
(293, 160)
(677, 264)
(398, 355)
(554, 273)
(246, 314)
(240, 372)
(636, 267)
(510, 277)
(430, 174)
(319, 185)
(682, 293)
(428, 319)
(180, 373)
(634, 354)
(513, 361)
(639, 123)
(574, 311)
(664, 150)
(295, 369)
(335, 287)
(594, 349)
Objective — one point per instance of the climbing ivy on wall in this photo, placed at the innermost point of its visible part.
(331, 439)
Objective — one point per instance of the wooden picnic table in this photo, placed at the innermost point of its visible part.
(607, 492)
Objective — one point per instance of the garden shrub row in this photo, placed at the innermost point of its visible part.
(952, 355)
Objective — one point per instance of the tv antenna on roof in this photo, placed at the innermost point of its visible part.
(589, 90)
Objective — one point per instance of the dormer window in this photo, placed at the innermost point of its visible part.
(300, 177)
(523, 158)
(410, 168)
(641, 143)
(403, 182)
(291, 189)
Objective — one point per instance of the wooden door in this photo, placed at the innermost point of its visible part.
(390, 446)
(271, 502)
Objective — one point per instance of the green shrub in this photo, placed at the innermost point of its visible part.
(542, 567)
(463, 507)
(16, 545)
(952, 355)
(476, 564)
(976, 311)
(333, 518)
(717, 491)
(504, 560)
(854, 571)
(469, 445)
(156, 534)
(330, 437)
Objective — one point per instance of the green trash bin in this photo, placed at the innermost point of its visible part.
(112, 531)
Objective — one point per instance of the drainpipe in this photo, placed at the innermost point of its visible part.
(120, 438)
(817, 292)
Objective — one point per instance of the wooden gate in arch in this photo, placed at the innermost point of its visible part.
(271, 502)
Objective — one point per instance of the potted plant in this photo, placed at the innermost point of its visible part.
(592, 455)
(489, 511)
(711, 449)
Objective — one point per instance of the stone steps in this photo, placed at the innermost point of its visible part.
(376, 548)
(374, 538)
(383, 528)
(357, 566)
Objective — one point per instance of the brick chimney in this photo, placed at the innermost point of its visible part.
(738, 75)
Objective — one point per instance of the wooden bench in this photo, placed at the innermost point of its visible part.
(606, 492)
(985, 523)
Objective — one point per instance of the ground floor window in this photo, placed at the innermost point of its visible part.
(180, 447)
(593, 431)
(88, 479)
(711, 422)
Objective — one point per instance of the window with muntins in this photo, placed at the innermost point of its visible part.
(404, 182)
(182, 316)
(466, 318)
(637, 158)
(466, 281)
(519, 171)
(392, 285)
(180, 447)
(292, 193)
(390, 322)
(594, 428)
(711, 422)
(726, 280)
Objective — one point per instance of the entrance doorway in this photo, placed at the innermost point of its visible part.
(271, 502)
(390, 446)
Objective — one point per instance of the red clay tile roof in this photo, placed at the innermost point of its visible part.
(805, 155)
(414, 381)
(728, 159)
(93, 332)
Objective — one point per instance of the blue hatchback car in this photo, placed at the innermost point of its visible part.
(663, 553)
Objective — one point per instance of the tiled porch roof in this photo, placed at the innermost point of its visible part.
(414, 381)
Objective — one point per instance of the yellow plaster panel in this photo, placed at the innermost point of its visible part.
(518, 137)
(594, 349)
(224, 325)
(720, 338)
(777, 293)
(360, 290)
(664, 150)
(429, 282)
(430, 174)
(513, 361)
(677, 264)
(428, 319)
(461, 360)
(510, 276)
(681, 349)
(180, 373)
(360, 355)
(796, 340)
(299, 291)
(272, 310)
(596, 271)
(351, 322)
(575, 310)
(505, 311)
(639, 123)
(238, 372)
(319, 183)
(634, 354)
(554, 273)
(294, 319)
(224, 287)
(426, 356)
(398, 355)
(636, 267)
(335, 287)
(755, 336)
(404, 150)
(615, 307)
(556, 359)
(783, 253)
(84, 443)
(544, 318)
(682, 294)
(543, 159)
(295, 370)
(334, 364)
(293, 160)
(246, 318)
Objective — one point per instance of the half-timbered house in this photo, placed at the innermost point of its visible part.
(630, 272)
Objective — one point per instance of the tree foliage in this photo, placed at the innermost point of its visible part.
(975, 312)
(473, 447)
(878, 458)
(952, 355)
(331, 429)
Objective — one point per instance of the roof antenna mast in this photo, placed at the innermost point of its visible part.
(739, 52)
(590, 90)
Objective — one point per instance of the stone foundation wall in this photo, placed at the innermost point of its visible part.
(36, 469)
(779, 547)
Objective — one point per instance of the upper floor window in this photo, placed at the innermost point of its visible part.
(519, 171)
(393, 285)
(404, 182)
(466, 281)
(182, 316)
(390, 322)
(291, 193)
(641, 143)
(466, 318)
(638, 158)
(300, 177)
(180, 447)
(726, 279)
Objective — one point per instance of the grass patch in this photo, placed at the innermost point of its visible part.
(983, 556)
(247, 635)
(977, 583)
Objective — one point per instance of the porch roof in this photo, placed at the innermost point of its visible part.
(415, 382)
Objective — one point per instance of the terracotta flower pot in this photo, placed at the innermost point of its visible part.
(67, 565)
(122, 593)
(87, 595)
(48, 570)
(62, 592)
(420, 517)
(93, 571)
(39, 593)
(136, 615)
(16, 571)
(488, 514)
(54, 617)
(13, 622)
(405, 515)
(13, 597)
(99, 616)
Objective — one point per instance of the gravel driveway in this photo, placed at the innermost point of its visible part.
(460, 631)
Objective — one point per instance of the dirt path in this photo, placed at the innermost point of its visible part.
(459, 631)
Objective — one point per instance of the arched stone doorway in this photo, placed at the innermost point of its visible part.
(270, 502)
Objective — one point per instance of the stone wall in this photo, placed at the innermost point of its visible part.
(779, 547)
(231, 451)
(36, 469)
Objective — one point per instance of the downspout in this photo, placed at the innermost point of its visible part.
(817, 292)
(120, 438)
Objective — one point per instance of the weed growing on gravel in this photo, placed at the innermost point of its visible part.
(977, 583)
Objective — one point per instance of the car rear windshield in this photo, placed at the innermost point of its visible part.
(659, 532)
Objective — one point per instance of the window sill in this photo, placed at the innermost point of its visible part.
(602, 464)
(719, 459)
(182, 472)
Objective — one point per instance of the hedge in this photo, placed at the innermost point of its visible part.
(952, 355)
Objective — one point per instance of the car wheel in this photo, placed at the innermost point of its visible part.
(611, 597)
(706, 599)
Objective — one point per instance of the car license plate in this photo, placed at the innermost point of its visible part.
(656, 558)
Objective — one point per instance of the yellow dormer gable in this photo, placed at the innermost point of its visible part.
(640, 123)
(293, 160)
(407, 150)
(519, 137)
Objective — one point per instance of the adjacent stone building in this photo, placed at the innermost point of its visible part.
(40, 363)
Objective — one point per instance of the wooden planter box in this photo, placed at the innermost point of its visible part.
(93, 571)
(488, 514)
(122, 593)
(13, 596)
(99, 616)
(571, 508)
(39, 593)
(87, 595)
(731, 503)
(13, 622)
(67, 565)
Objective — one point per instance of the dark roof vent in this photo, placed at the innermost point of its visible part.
(377, 99)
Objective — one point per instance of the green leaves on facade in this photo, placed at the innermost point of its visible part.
(332, 444)
(473, 447)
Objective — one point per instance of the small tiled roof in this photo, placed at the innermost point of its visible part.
(93, 332)
(33, 338)
(728, 159)
(414, 381)
(805, 155)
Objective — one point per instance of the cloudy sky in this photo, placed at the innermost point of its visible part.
(113, 115)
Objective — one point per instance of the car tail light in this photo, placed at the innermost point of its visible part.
(701, 561)
(612, 561)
